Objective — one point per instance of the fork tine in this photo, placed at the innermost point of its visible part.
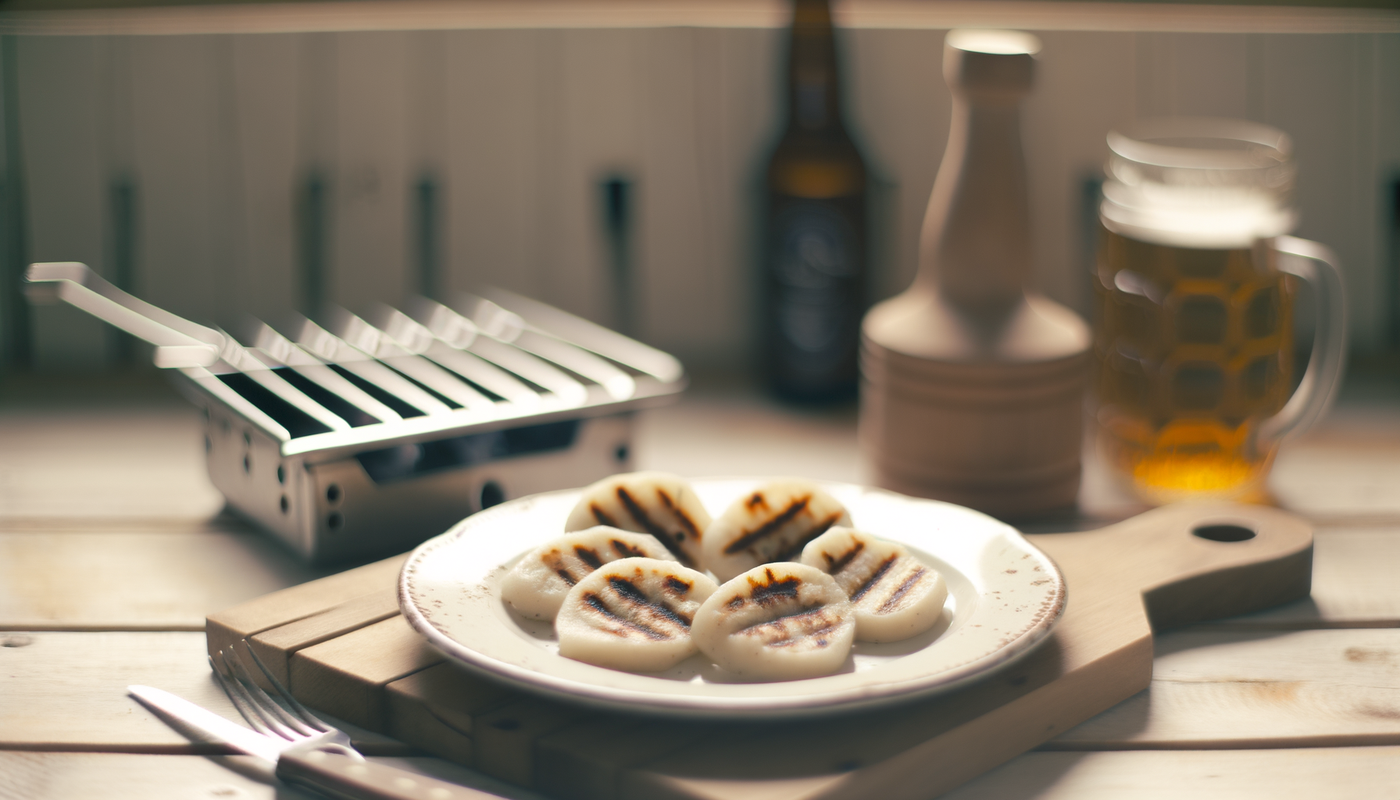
(286, 695)
(279, 720)
(238, 696)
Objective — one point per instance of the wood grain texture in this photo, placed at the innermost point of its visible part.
(504, 739)
(58, 776)
(299, 602)
(1250, 691)
(586, 761)
(104, 464)
(346, 676)
(1354, 772)
(276, 646)
(1358, 772)
(60, 579)
(437, 709)
(67, 691)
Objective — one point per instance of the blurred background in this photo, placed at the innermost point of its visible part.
(221, 160)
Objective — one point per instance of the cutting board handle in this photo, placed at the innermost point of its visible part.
(1191, 562)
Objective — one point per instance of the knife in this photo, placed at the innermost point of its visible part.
(313, 764)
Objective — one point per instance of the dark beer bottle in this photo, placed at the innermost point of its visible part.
(815, 229)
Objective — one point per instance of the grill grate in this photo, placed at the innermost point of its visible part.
(390, 403)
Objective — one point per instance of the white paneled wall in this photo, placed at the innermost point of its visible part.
(517, 127)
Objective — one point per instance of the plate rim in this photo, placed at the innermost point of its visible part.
(706, 707)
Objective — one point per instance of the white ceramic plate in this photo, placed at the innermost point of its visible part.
(1004, 596)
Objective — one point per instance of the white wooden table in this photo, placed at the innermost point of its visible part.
(114, 548)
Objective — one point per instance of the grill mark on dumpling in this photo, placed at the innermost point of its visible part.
(683, 519)
(874, 578)
(892, 602)
(602, 516)
(802, 541)
(834, 566)
(597, 604)
(625, 550)
(774, 591)
(756, 500)
(768, 528)
(678, 586)
(628, 591)
(588, 556)
(808, 625)
(555, 561)
(652, 527)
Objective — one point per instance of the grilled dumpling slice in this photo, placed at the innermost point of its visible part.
(893, 594)
(657, 503)
(771, 523)
(537, 584)
(777, 622)
(633, 614)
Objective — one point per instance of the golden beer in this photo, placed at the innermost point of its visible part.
(1194, 351)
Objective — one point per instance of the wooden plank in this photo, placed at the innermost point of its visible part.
(103, 464)
(67, 691)
(346, 676)
(276, 646)
(496, 123)
(1346, 469)
(299, 602)
(264, 110)
(586, 761)
(117, 776)
(1213, 689)
(60, 87)
(903, 128)
(1353, 584)
(597, 125)
(437, 709)
(1350, 772)
(1084, 88)
(56, 579)
(1319, 106)
(370, 114)
(178, 109)
(689, 281)
(504, 739)
(1354, 772)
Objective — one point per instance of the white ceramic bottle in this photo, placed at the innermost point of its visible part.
(972, 384)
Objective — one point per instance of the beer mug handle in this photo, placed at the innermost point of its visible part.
(1317, 265)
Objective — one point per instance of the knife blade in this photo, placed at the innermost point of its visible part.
(208, 722)
(329, 772)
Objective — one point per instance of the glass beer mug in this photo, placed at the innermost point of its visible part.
(1194, 328)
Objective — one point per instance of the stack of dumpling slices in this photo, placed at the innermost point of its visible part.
(625, 589)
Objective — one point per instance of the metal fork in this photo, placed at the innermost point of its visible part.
(294, 724)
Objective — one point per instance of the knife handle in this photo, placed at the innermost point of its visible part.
(342, 776)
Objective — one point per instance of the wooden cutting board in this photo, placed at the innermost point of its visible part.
(342, 646)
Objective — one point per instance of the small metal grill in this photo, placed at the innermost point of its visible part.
(362, 437)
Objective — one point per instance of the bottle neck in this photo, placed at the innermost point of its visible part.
(814, 98)
(976, 240)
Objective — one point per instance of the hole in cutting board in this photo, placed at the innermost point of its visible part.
(1223, 533)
